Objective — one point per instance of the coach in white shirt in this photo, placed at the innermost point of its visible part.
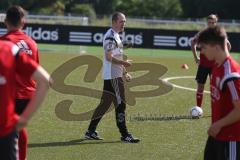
(113, 89)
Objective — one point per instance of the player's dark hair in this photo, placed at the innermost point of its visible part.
(215, 35)
(115, 16)
(14, 15)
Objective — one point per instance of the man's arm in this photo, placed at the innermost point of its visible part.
(232, 117)
(194, 49)
(126, 75)
(110, 58)
(109, 45)
(127, 44)
(43, 80)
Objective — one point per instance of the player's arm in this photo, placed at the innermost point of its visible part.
(110, 58)
(109, 46)
(127, 44)
(126, 75)
(43, 80)
(231, 117)
(124, 71)
(28, 68)
(194, 49)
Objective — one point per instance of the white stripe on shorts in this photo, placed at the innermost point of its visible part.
(116, 89)
(232, 150)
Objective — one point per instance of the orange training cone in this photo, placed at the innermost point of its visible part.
(185, 66)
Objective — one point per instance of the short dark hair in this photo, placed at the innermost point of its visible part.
(15, 14)
(215, 35)
(115, 16)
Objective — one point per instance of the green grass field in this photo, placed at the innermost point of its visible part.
(162, 137)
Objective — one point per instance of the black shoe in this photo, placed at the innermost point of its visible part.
(92, 135)
(130, 139)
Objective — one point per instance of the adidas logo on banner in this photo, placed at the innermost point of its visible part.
(165, 41)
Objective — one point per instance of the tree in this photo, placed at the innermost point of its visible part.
(84, 9)
(4, 4)
(150, 8)
(29, 5)
(225, 9)
(104, 7)
(56, 8)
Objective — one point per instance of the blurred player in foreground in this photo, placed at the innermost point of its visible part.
(224, 133)
(26, 86)
(13, 61)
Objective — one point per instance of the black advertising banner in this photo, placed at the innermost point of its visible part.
(93, 36)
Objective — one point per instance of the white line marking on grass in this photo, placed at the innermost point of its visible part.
(166, 80)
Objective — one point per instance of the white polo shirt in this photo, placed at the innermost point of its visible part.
(113, 43)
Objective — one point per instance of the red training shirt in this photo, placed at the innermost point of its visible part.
(10, 60)
(225, 88)
(25, 87)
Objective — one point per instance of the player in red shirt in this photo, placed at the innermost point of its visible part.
(25, 86)
(224, 133)
(13, 61)
(204, 65)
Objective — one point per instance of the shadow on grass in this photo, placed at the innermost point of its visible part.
(70, 143)
(140, 118)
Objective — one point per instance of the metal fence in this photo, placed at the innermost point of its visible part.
(200, 22)
(51, 19)
(132, 22)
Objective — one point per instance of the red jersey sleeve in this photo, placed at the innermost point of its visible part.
(25, 66)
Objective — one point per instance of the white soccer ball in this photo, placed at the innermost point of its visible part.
(196, 112)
